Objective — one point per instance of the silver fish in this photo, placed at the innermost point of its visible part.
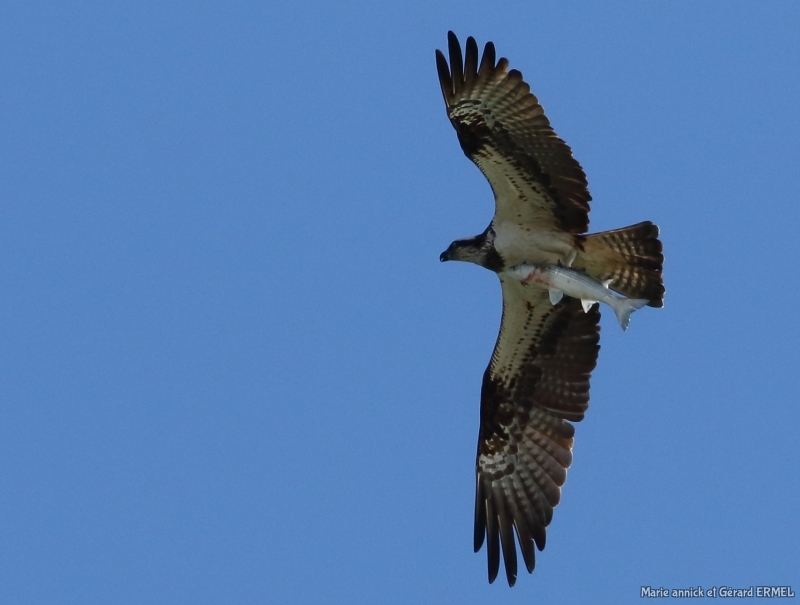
(560, 280)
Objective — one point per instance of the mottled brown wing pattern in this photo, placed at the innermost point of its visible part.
(502, 128)
(537, 380)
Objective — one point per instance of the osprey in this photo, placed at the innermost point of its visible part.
(537, 382)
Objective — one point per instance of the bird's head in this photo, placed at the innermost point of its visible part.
(479, 250)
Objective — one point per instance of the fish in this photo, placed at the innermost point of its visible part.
(559, 280)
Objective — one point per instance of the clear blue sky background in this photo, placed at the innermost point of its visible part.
(233, 370)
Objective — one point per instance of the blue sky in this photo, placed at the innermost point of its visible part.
(233, 370)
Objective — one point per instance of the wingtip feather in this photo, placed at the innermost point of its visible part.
(493, 545)
(471, 62)
(526, 542)
(480, 517)
(445, 80)
(488, 59)
(456, 62)
(509, 546)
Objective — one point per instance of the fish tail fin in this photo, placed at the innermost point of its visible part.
(631, 257)
(625, 307)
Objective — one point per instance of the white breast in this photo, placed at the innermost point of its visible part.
(518, 244)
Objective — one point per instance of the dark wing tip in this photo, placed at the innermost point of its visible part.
(445, 81)
(471, 62)
(528, 555)
(509, 548)
(456, 61)
(540, 537)
(488, 59)
(480, 516)
(492, 542)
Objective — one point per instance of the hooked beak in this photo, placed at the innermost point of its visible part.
(444, 256)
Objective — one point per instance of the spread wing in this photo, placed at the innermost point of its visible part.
(537, 380)
(503, 129)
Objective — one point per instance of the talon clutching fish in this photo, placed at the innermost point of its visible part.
(560, 280)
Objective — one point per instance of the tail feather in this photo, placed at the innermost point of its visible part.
(631, 257)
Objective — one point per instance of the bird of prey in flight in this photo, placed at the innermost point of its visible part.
(537, 381)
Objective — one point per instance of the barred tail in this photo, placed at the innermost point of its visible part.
(631, 257)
